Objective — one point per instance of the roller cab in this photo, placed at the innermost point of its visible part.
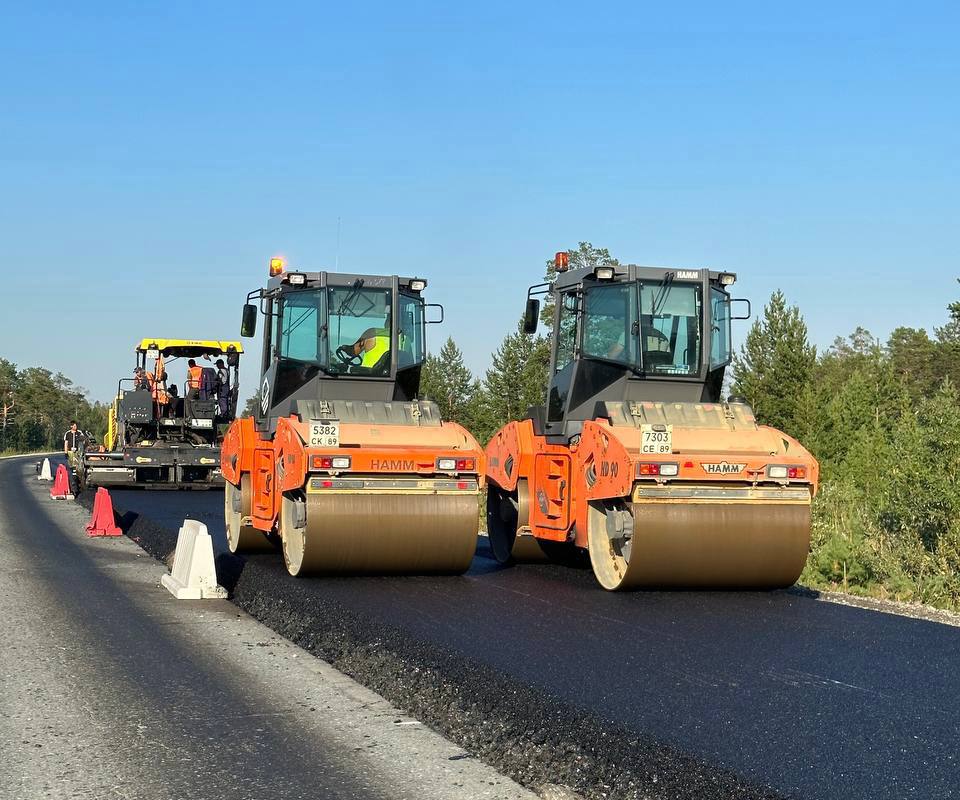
(343, 468)
(635, 461)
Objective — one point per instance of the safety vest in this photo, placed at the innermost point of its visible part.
(194, 375)
(381, 345)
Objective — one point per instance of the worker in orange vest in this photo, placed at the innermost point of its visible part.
(194, 377)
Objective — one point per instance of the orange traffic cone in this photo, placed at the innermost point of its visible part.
(101, 523)
(61, 485)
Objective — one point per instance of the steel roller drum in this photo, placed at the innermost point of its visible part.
(758, 540)
(380, 533)
(236, 505)
(508, 516)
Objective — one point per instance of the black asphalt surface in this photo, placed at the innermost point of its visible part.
(662, 694)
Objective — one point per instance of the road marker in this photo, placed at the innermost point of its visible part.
(194, 574)
(45, 473)
(102, 521)
(61, 485)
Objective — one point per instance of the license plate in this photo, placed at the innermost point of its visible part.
(325, 434)
(656, 443)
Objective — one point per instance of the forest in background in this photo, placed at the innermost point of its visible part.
(37, 406)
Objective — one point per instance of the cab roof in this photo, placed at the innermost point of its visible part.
(189, 347)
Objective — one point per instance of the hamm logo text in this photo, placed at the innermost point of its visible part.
(723, 468)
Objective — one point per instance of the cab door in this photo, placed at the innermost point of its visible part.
(263, 503)
(550, 500)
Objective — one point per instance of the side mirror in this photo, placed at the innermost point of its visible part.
(531, 316)
(248, 327)
(744, 315)
(436, 316)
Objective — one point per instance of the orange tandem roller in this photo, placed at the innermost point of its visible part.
(342, 466)
(634, 458)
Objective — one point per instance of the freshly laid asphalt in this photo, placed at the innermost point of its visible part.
(646, 694)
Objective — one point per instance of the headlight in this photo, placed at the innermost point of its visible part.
(447, 464)
(777, 472)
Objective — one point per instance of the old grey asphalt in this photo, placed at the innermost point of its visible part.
(110, 688)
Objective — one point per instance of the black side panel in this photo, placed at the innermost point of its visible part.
(290, 376)
(593, 381)
(408, 384)
(136, 407)
(538, 415)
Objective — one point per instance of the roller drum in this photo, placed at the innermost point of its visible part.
(508, 521)
(689, 543)
(379, 533)
(236, 505)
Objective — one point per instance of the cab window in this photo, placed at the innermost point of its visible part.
(300, 327)
(411, 331)
(566, 331)
(609, 314)
(720, 323)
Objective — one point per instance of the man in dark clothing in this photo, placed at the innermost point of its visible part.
(72, 440)
(173, 402)
(223, 388)
(140, 382)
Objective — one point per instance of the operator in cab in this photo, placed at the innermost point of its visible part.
(373, 349)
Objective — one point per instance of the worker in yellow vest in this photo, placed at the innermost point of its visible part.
(372, 346)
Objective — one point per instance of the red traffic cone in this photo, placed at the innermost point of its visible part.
(101, 523)
(61, 485)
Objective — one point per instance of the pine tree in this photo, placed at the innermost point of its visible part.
(947, 354)
(775, 364)
(445, 379)
(912, 358)
(517, 378)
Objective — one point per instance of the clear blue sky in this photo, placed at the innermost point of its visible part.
(154, 155)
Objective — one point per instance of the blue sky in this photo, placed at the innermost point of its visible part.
(154, 155)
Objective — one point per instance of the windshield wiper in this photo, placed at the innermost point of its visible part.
(662, 295)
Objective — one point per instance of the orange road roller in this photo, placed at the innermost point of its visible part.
(635, 458)
(341, 466)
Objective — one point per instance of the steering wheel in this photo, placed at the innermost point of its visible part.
(347, 356)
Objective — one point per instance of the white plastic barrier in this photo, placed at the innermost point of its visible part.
(194, 574)
(45, 473)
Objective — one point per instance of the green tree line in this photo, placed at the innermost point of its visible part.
(37, 406)
(883, 420)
